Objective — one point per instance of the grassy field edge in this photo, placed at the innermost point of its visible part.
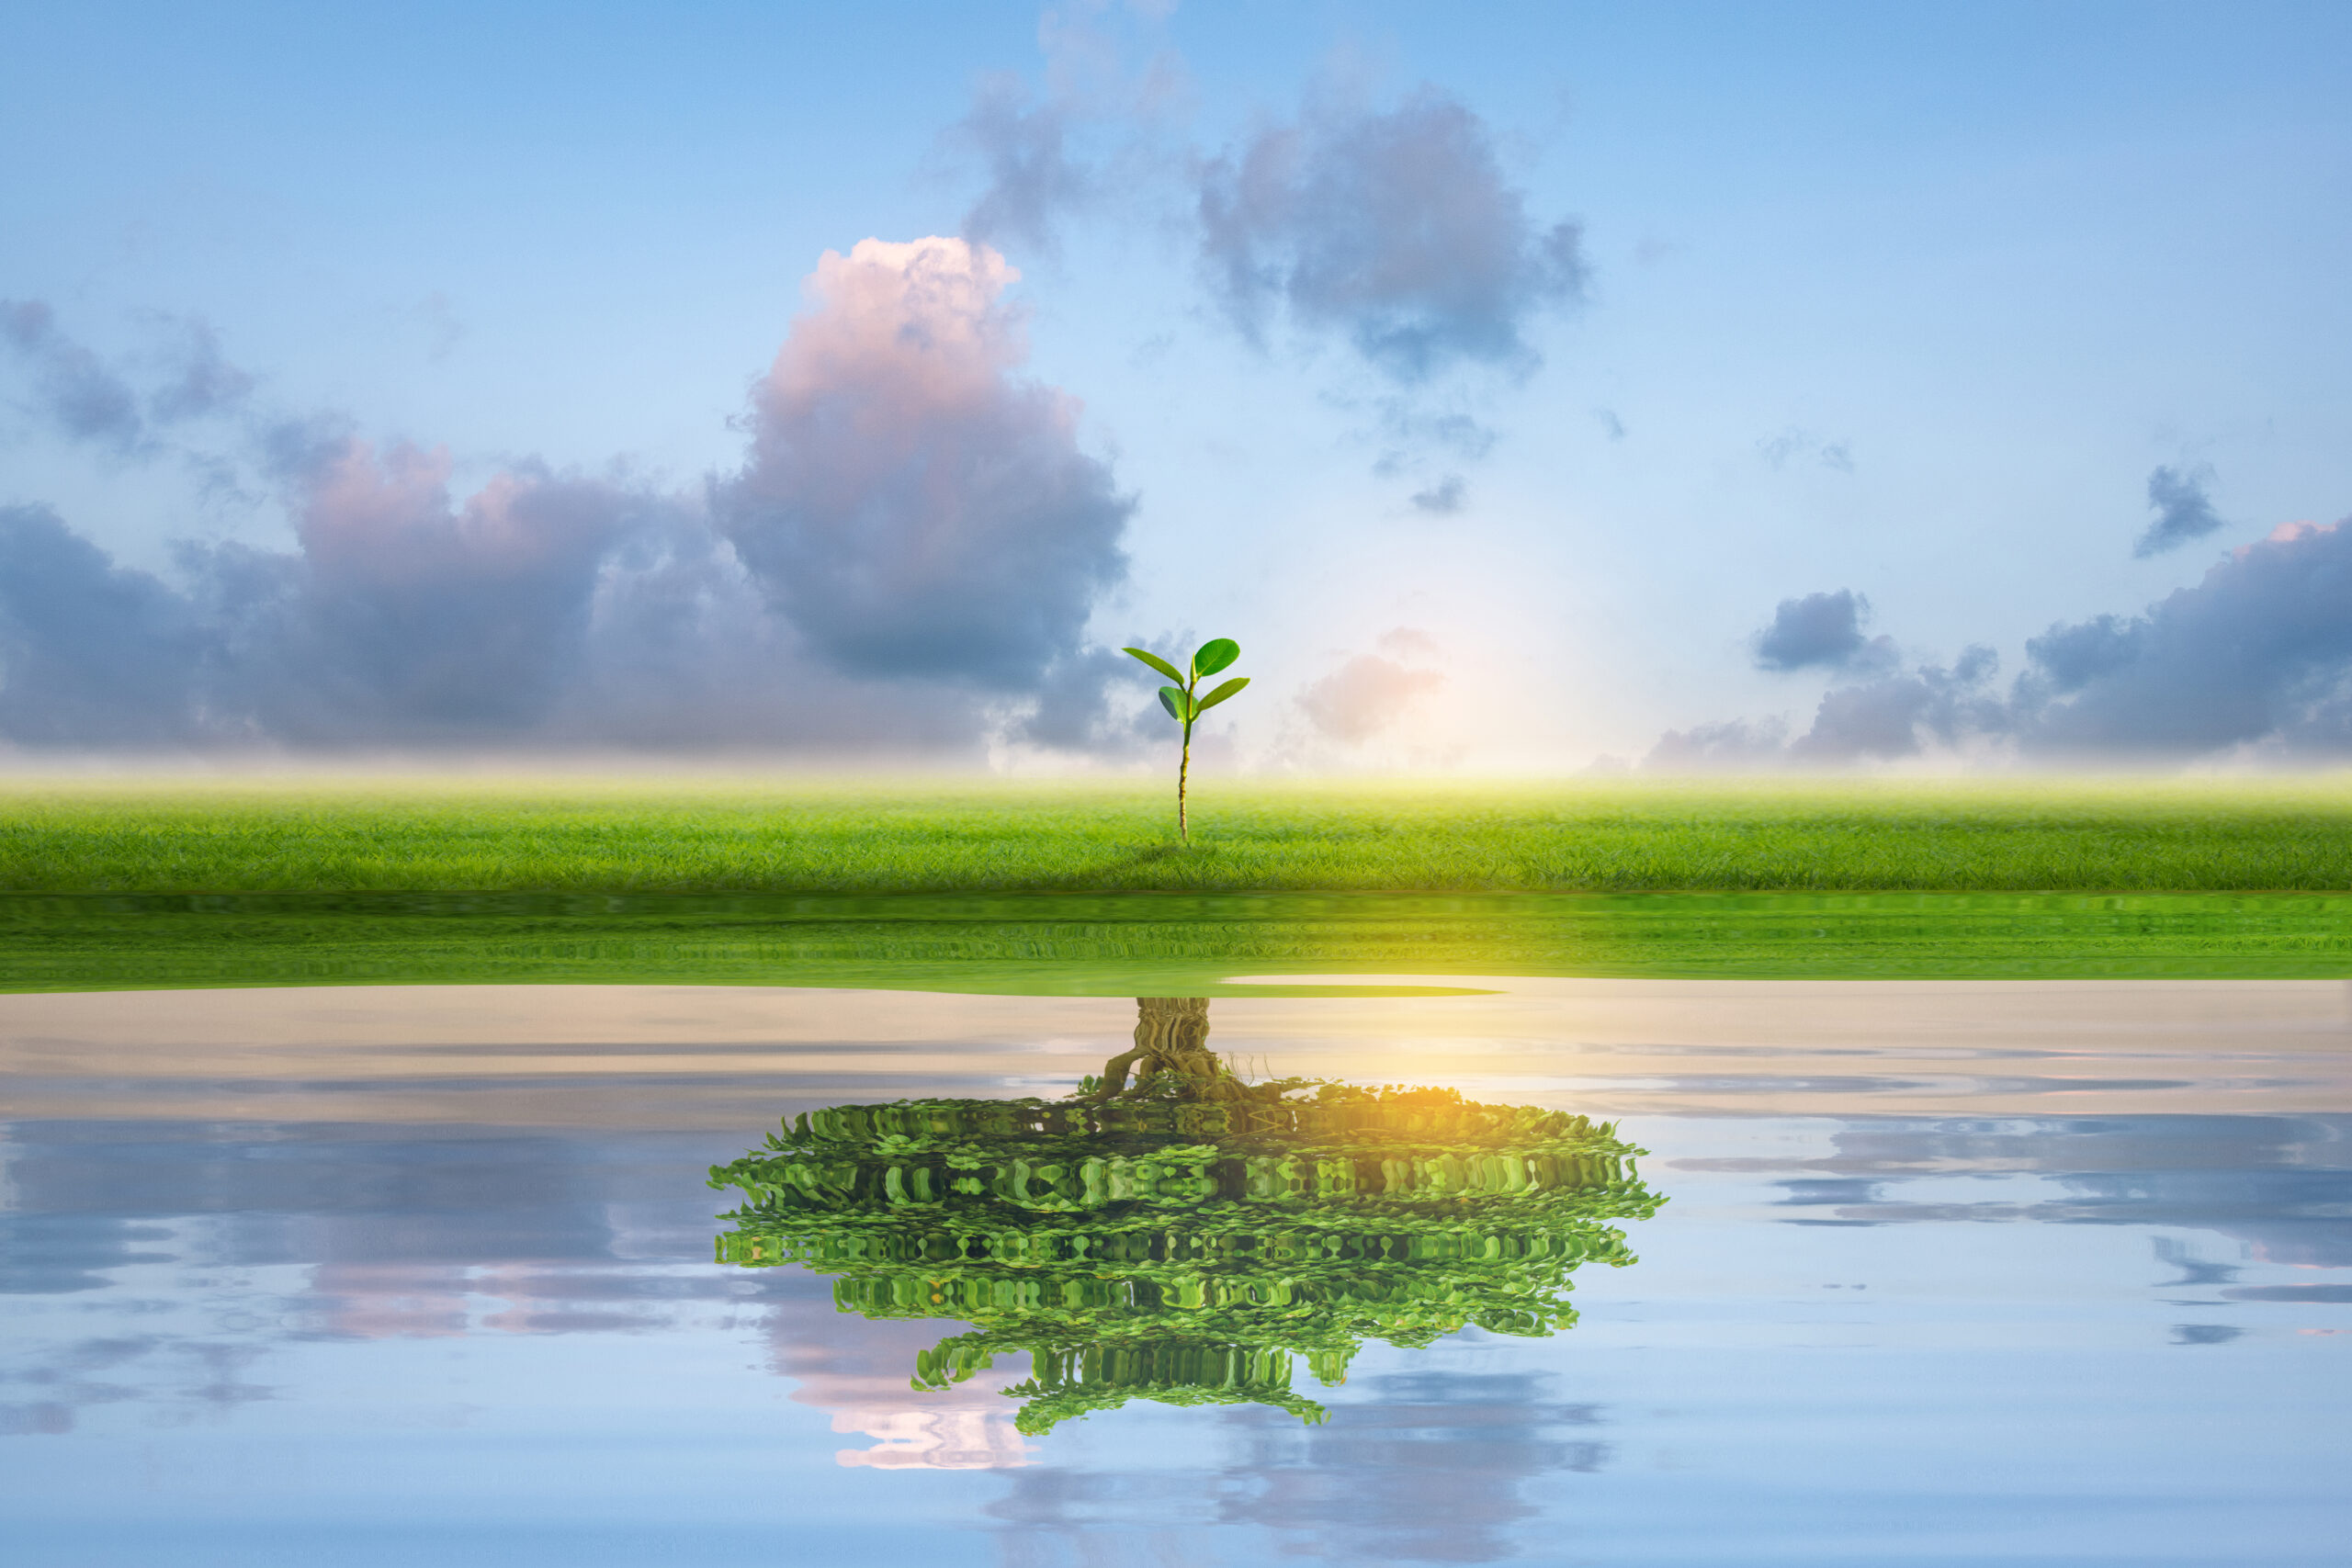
(966, 838)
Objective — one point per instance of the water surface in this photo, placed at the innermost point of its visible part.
(1998, 1273)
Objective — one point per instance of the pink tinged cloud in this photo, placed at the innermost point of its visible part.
(911, 505)
(410, 615)
(1370, 693)
(913, 520)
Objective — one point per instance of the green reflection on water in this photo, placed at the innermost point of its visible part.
(1121, 944)
(1188, 1238)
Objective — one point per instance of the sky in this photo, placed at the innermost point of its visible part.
(1533, 388)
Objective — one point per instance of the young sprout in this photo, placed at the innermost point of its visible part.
(1184, 704)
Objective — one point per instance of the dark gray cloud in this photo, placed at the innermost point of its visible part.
(2184, 511)
(1395, 229)
(2258, 653)
(1823, 629)
(913, 507)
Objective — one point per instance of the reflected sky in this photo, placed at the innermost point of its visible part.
(2096, 1333)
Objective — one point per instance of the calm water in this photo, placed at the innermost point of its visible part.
(1955, 1274)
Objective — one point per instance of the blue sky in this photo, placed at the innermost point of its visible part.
(1906, 304)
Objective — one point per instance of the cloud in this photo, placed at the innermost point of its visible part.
(910, 504)
(1731, 746)
(906, 561)
(200, 382)
(2255, 659)
(1405, 425)
(2184, 511)
(1892, 715)
(1089, 136)
(81, 397)
(2258, 653)
(407, 615)
(1075, 710)
(1444, 498)
(72, 390)
(1791, 445)
(1371, 692)
(90, 652)
(1821, 630)
(1395, 229)
(1032, 179)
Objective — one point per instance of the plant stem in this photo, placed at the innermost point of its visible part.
(1184, 767)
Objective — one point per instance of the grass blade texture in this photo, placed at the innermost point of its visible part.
(1062, 888)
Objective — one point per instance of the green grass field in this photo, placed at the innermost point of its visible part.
(543, 835)
(1078, 888)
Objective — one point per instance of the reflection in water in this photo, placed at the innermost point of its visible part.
(1183, 1236)
(378, 1303)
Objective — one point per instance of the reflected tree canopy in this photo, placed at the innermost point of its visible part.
(1173, 1233)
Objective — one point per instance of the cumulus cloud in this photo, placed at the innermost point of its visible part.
(906, 561)
(407, 615)
(1372, 691)
(913, 506)
(2256, 659)
(1822, 630)
(2258, 653)
(1894, 714)
(1395, 229)
(1078, 706)
(90, 652)
(2184, 511)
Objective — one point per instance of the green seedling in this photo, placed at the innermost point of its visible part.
(1184, 704)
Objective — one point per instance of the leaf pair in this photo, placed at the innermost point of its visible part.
(1213, 655)
(1184, 709)
(1182, 702)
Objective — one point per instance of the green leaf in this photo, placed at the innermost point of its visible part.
(1221, 694)
(1214, 655)
(1156, 663)
(1173, 701)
